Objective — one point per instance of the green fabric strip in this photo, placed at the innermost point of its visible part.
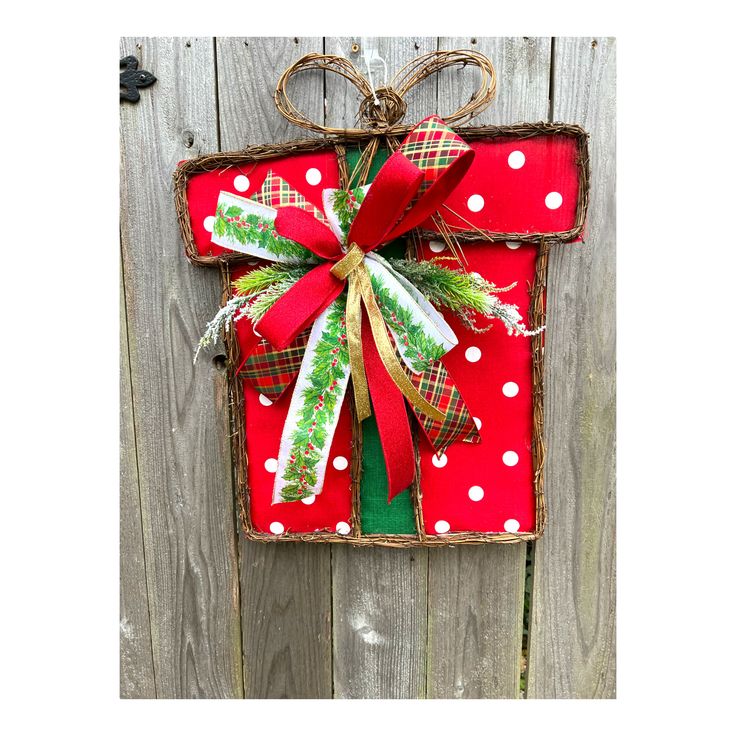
(377, 516)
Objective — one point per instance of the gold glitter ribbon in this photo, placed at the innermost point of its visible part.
(360, 290)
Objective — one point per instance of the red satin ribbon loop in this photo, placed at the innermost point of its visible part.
(429, 202)
(304, 228)
(392, 190)
(300, 306)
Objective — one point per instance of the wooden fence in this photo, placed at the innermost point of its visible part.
(207, 614)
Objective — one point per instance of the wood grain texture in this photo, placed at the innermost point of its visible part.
(572, 629)
(379, 622)
(180, 410)
(522, 67)
(379, 634)
(285, 589)
(136, 657)
(476, 594)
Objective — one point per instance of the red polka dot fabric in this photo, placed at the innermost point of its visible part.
(309, 173)
(527, 185)
(514, 185)
(487, 487)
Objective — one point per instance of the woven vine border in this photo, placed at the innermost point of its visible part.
(537, 311)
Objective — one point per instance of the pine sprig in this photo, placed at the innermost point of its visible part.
(262, 278)
(462, 293)
(319, 403)
(220, 322)
(465, 294)
(250, 229)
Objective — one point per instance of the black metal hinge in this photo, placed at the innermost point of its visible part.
(131, 78)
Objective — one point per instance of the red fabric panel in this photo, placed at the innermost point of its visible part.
(263, 426)
(204, 189)
(506, 421)
(514, 199)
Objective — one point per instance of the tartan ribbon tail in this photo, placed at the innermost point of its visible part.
(438, 386)
(271, 371)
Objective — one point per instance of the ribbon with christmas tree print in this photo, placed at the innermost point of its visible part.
(385, 333)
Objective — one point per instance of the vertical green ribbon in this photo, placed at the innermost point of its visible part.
(377, 516)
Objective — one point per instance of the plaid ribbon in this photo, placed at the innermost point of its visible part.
(432, 147)
(271, 371)
(438, 387)
(276, 192)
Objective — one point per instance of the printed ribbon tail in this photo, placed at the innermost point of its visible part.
(394, 294)
(391, 419)
(314, 410)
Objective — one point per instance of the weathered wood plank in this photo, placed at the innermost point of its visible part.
(136, 658)
(380, 622)
(180, 410)
(476, 594)
(572, 629)
(379, 595)
(285, 588)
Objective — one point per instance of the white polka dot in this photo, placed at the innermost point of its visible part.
(476, 203)
(513, 244)
(340, 463)
(264, 400)
(436, 246)
(478, 422)
(439, 461)
(209, 223)
(241, 183)
(553, 200)
(342, 527)
(472, 354)
(309, 500)
(442, 527)
(475, 493)
(511, 525)
(510, 458)
(314, 177)
(276, 527)
(510, 389)
(516, 159)
(271, 464)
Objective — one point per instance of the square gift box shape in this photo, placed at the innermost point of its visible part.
(526, 190)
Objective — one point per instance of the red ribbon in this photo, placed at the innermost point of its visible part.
(390, 208)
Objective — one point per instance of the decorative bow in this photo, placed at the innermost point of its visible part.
(408, 189)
